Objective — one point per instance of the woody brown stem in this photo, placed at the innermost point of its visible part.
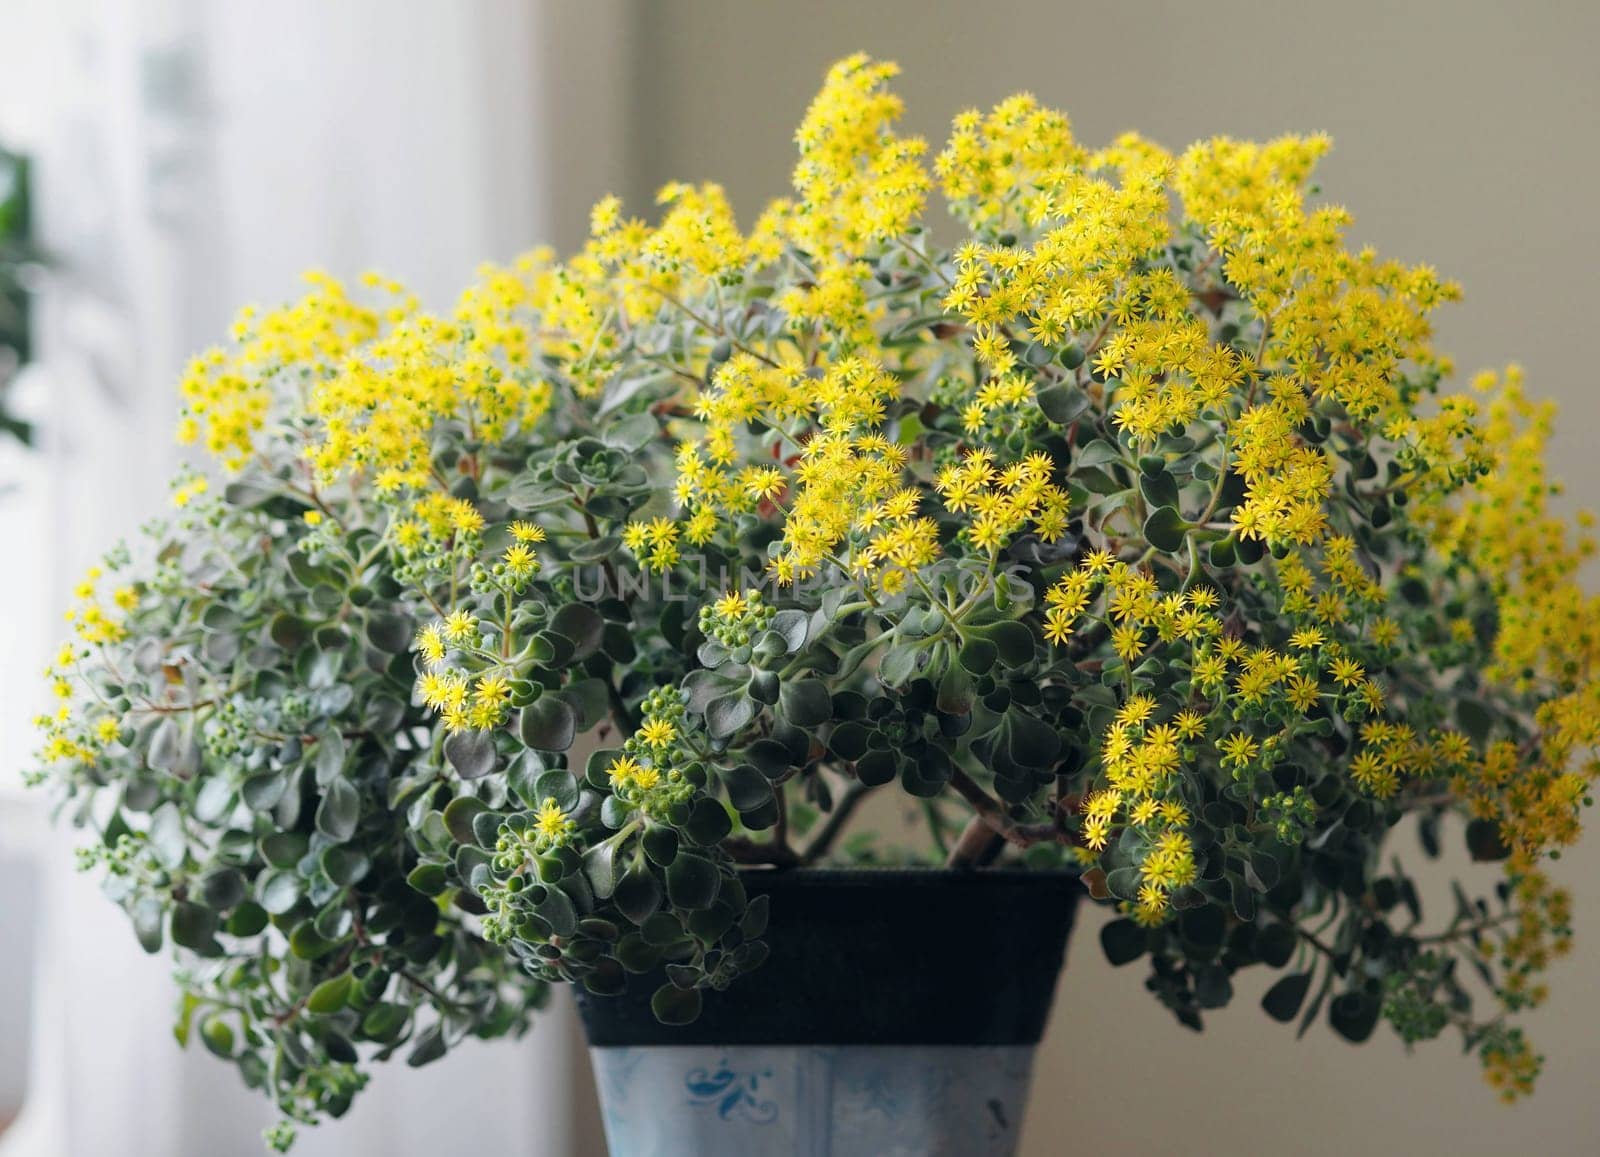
(743, 850)
(975, 846)
(993, 813)
(834, 824)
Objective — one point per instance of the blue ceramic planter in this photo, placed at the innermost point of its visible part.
(896, 1015)
(813, 1100)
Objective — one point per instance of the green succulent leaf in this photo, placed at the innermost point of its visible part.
(331, 995)
(548, 724)
(471, 753)
(805, 702)
(580, 625)
(1063, 403)
(728, 714)
(674, 1005)
(459, 816)
(1283, 1000)
(340, 811)
(692, 882)
(429, 1047)
(429, 879)
(637, 894)
(708, 823)
(1166, 530)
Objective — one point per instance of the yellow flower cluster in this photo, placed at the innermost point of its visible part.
(227, 394)
(1540, 931)
(468, 660)
(849, 509)
(654, 543)
(1510, 1065)
(834, 306)
(1547, 642)
(845, 481)
(187, 487)
(1141, 757)
(1134, 606)
(1000, 402)
(480, 704)
(1524, 942)
(1550, 627)
(648, 774)
(378, 378)
(580, 302)
(1076, 275)
(996, 166)
(1144, 751)
(1142, 760)
(1288, 482)
(698, 238)
(379, 410)
(627, 773)
(97, 620)
(857, 182)
(497, 308)
(1330, 325)
(1437, 454)
(1004, 500)
(629, 272)
(91, 620)
(1393, 752)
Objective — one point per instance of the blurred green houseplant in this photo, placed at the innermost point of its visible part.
(19, 257)
(1135, 535)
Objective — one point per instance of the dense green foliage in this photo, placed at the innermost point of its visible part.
(257, 813)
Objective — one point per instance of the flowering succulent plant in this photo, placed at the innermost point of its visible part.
(1135, 536)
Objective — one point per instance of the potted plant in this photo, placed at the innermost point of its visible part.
(1134, 544)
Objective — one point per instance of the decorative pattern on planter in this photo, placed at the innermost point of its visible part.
(813, 1101)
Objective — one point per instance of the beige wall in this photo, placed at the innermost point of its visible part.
(1465, 136)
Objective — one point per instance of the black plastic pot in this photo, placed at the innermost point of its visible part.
(877, 957)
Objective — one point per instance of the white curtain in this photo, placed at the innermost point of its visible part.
(193, 156)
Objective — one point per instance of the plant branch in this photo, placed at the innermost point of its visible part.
(976, 846)
(834, 824)
(1470, 931)
(743, 850)
(992, 814)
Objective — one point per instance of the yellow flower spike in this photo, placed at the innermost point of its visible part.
(856, 182)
